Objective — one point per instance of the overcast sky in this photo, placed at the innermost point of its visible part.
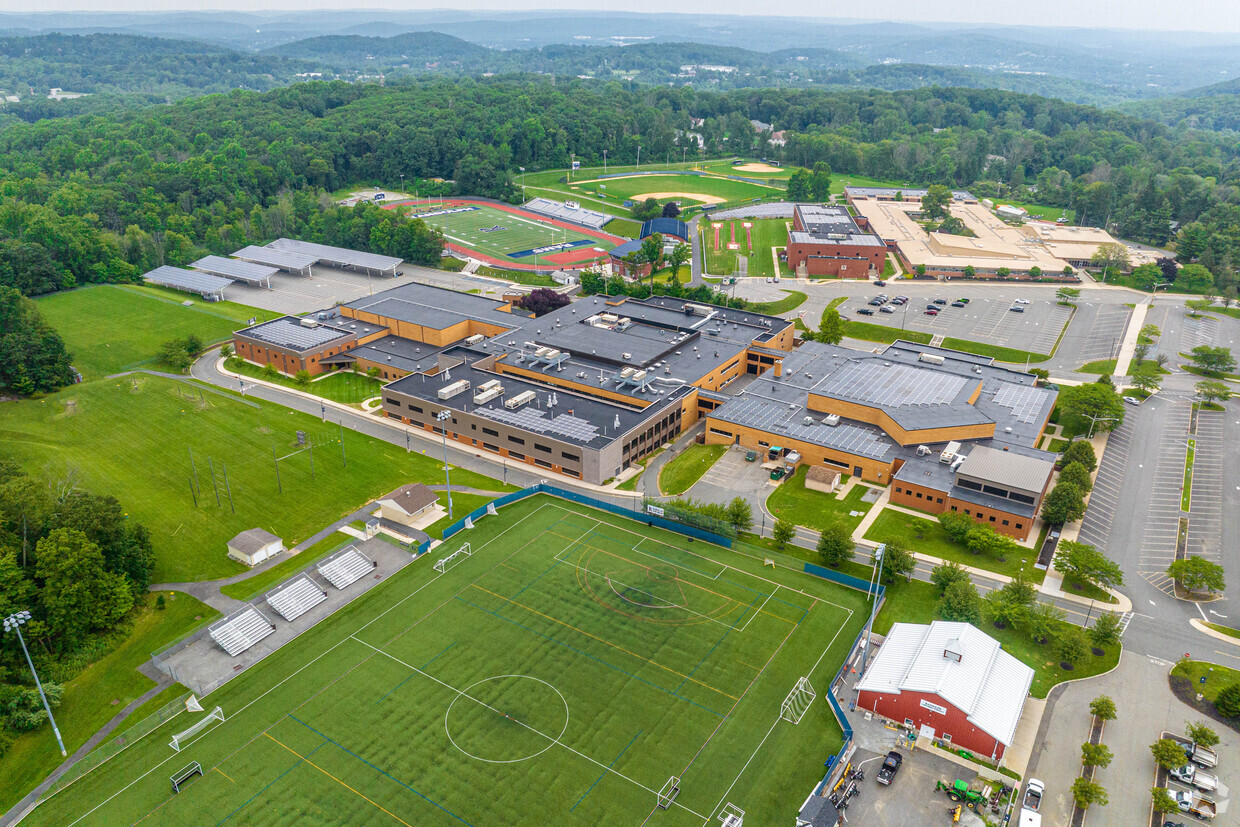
(1192, 15)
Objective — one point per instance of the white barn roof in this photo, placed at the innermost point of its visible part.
(987, 684)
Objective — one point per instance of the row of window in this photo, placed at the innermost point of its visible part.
(928, 497)
(488, 431)
(980, 516)
(939, 501)
(995, 491)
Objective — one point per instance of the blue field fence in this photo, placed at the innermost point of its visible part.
(603, 505)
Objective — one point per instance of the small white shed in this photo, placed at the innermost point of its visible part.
(254, 546)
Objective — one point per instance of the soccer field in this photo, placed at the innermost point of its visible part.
(765, 233)
(512, 237)
(559, 674)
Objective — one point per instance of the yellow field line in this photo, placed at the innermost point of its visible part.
(607, 642)
(338, 781)
(221, 772)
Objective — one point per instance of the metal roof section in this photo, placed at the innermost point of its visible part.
(234, 269)
(789, 419)
(1006, 468)
(911, 193)
(191, 281)
(434, 307)
(338, 256)
(295, 334)
(286, 260)
(825, 223)
(985, 683)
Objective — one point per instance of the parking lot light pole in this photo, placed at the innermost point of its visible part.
(13, 623)
(443, 417)
(1094, 420)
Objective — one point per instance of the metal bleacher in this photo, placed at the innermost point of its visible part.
(242, 630)
(346, 567)
(563, 211)
(296, 597)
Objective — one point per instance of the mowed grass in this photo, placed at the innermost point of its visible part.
(132, 438)
(592, 655)
(816, 509)
(681, 472)
(765, 234)
(500, 233)
(264, 580)
(110, 328)
(99, 692)
(925, 535)
(706, 185)
(341, 386)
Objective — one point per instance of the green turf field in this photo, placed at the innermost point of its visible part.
(558, 675)
(499, 233)
(766, 233)
(619, 189)
(131, 438)
(110, 328)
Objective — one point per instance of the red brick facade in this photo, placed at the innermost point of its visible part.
(827, 258)
(936, 502)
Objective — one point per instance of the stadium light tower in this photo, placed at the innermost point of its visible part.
(604, 163)
(13, 623)
(443, 417)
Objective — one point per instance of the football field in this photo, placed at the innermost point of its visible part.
(561, 673)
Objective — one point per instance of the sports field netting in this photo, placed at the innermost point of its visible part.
(560, 674)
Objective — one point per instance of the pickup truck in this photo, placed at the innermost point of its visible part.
(1195, 804)
(1033, 795)
(1194, 777)
(1196, 753)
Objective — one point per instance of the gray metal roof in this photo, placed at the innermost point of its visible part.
(907, 192)
(288, 332)
(189, 280)
(1008, 469)
(423, 304)
(336, 255)
(779, 418)
(234, 269)
(251, 540)
(854, 239)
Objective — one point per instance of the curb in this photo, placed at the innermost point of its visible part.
(1200, 626)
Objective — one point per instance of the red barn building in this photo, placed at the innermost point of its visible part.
(951, 678)
(826, 241)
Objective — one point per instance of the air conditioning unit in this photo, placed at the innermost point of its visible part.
(449, 391)
(949, 453)
(475, 339)
(924, 450)
(932, 358)
(523, 398)
(831, 420)
(309, 322)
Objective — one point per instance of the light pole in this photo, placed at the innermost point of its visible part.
(570, 177)
(879, 554)
(604, 163)
(1094, 420)
(443, 417)
(639, 156)
(402, 184)
(13, 623)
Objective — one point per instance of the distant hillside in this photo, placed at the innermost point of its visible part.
(1216, 111)
(1227, 87)
(415, 49)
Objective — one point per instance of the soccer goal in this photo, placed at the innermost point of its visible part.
(669, 792)
(732, 816)
(445, 563)
(797, 702)
(182, 738)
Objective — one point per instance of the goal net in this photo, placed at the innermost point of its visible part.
(732, 816)
(445, 563)
(182, 738)
(669, 792)
(797, 702)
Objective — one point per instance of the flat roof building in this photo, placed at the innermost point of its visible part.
(827, 241)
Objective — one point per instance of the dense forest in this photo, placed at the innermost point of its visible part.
(96, 199)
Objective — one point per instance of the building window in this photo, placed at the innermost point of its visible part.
(992, 518)
(516, 439)
(542, 462)
(543, 448)
(489, 431)
(572, 473)
(919, 495)
(391, 401)
(515, 455)
(1020, 525)
(953, 508)
(490, 447)
(898, 491)
(1005, 522)
(939, 500)
(966, 511)
(568, 456)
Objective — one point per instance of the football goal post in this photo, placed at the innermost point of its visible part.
(797, 702)
(669, 792)
(182, 738)
(445, 563)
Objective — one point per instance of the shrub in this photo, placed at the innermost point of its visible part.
(1103, 707)
(944, 574)
(1080, 451)
(960, 602)
(1228, 701)
(1071, 644)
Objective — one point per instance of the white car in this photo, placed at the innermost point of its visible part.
(1022, 301)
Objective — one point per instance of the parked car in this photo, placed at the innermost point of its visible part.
(750, 456)
(940, 301)
(866, 311)
(957, 304)
(1016, 308)
(875, 302)
(1194, 776)
(890, 308)
(901, 299)
(934, 307)
(880, 283)
(891, 766)
(1132, 400)
(963, 301)
(932, 312)
(1022, 301)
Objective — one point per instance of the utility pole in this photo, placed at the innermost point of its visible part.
(879, 553)
(13, 623)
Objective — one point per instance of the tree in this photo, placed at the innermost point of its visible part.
(740, 514)
(1081, 452)
(799, 186)
(783, 532)
(960, 602)
(646, 210)
(302, 378)
(970, 271)
(1140, 353)
(835, 543)
(652, 253)
(1091, 407)
(820, 181)
(226, 350)
(1071, 644)
(1003, 272)
(1106, 630)
(269, 371)
(1198, 306)
(831, 330)
(1168, 754)
(1042, 620)
(1212, 391)
(1001, 608)
(1078, 475)
(1147, 376)
(1227, 702)
(898, 561)
(1197, 574)
(679, 257)
(944, 574)
(1213, 359)
(1096, 755)
(1035, 272)
(957, 525)
(33, 358)
(172, 353)
(1083, 563)
(1103, 708)
(542, 300)
(1194, 278)
(1064, 504)
(983, 539)
(1201, 733)
(1068, 295)
(1086, 792)
(79, 595)
(1164, 804)
(1109, 257)
(671, 209)
(935, 202)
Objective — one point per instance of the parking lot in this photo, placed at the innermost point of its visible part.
(988, 320)
(911, 798)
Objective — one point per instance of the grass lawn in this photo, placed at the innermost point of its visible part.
(1099, 366)
(1217, 677)
(462, 504)
(765, 233)
(109, 328)
(839, 181)
(679, 475)
(815, 509)
(133, 439)
(1000, 354)
(340, 386)
(1057, 445)
(136, 717)
(1227, 630)
(1041, 211)
(792, 301)
(926, 536)
(99, 692)
(261, 582)
(870, 332)
(1186, 494)
(517, 276)
(531, 645)
(637, 187)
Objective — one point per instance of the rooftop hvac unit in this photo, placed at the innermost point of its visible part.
(523, 398)
(610, 318)
(542, 351)
(309, 323)
(491, 383)
(624, 323)
(809, 420)
(626, 356)
(639, 376)
(949, 453)
(551, 353)
(449, 391)
(932, 358)
(627, 372)
(486, 395)
(831, 420)
(475, 339)
(958, 462)
(923, 450)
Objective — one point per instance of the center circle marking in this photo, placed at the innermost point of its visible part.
(550, 741)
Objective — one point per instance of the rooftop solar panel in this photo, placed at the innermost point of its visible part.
(234, 269)
(777, 417)
(1025, 402)
(290, 333)
(533, 419)
(189, 280)
(895, 385)
(336, 255)
(284, 259)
